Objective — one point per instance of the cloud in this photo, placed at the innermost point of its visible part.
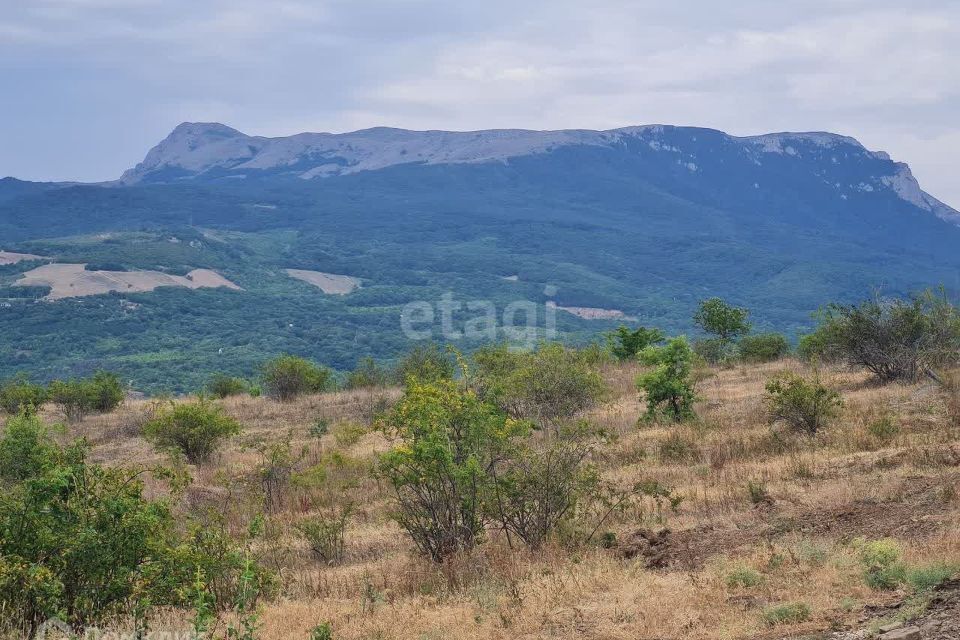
(129, 70)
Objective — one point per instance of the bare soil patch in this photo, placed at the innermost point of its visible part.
(72, 280)
(10, 257)
(330, 283)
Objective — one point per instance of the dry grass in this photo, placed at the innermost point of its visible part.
(900, 479)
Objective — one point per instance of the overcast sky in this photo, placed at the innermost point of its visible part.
(88, 86)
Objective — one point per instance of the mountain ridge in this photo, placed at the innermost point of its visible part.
(204, 151)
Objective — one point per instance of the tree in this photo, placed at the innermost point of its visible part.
(195, 429)
(288, 377)
(724, 321)
(668, 388)
(448, 445)
(894, 339)
(625, 344)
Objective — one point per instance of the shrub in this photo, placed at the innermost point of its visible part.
(222, 386)
(448, 445)
(930, 577)
(288, 377)
(626, 344)
(882, 567)
(804, 405)
(195, 429)
(884, 429)
(716, 351)
(325, 534)
(80, 397)
(89, 547)
(744, 577)
(721, 319)
(894, 339)
(322, 631)
(348, 434)
(789, 613)
(678, 448)
(19, 395)
(549, 385)
(368, 374)
(425, 363)
(541, 485)
(668, 388)
(764, 347)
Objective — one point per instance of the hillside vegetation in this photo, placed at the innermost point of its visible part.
(631, 492)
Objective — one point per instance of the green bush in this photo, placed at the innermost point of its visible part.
(89, 547)
(425, 363)
(931, 576)
(549, 385)
(80, 397)
(542, 484)
(806, 406)
(325, 534)
(894, 339)
(884, 429)
(625, 344)
(222, 386)
(716, 351)
(18, 395)
(448, 444)
(882, 568)
(789, 613)
(288, 377)
(743, 577)
(368, 374)
(668, 389)
(764, 347)
(195, 429)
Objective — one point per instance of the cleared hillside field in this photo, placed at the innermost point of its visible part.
(766, 518)
(73, 280)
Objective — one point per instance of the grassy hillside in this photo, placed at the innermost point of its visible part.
(764, 538)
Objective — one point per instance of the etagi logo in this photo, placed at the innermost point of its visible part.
(520, 321)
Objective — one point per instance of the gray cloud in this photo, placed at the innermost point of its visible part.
(91, 84)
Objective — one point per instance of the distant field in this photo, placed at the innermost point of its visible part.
(9, 257)
(327, 282)
(73, 280)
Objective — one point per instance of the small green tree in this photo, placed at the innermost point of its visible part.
(668, 388)
(18, 395)
(625, 344)
(195, 429)
(448, 445)
(721, 319)
(288, 377)
(805, 405)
